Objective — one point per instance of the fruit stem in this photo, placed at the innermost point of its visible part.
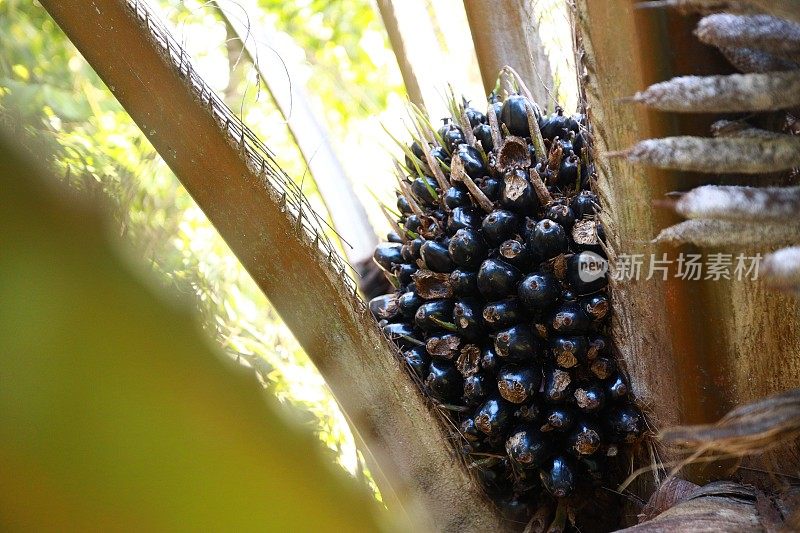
(497, 139)
(536, 133)
(468, 135)
(560, 520)
(457, 173)
(541, 189)
(395, 226)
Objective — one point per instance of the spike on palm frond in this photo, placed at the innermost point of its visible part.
(732, 93)
(781, 269)
(719, 155)
(716, 233)
(766, 33)
(770, 204)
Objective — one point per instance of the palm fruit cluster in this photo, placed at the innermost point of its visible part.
(491, 313)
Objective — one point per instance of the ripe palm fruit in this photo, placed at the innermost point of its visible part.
(492, 312)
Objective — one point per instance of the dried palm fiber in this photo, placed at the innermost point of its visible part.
(727, 506)
(747, 430)
(764, 45)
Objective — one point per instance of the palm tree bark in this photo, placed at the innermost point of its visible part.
(695, 349)
(397, 40)
(248, 199)
(506, 33)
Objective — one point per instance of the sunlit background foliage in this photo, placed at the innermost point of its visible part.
(349, 69)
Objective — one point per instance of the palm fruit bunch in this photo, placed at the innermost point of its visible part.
(495, 220)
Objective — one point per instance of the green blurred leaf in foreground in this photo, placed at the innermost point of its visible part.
(115, 413)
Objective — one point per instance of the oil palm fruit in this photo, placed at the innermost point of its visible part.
(492, 312)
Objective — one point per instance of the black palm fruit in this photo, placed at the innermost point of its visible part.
(519, 384)
(584, 439)
(483, 133)
(598, 345)
(474, 116)
(514, 115)
(412, 223)
(473, 163)
(464, 217)
(517, 345)
(444, 382)
(416, 149)
(499, 225)
(517, 193)
(384, 307)
(392, 236)
(501, 314)
(527, 447)
(559, 419)
(387, 255)
(467, 318)
(558, 385)
(418, 359)
(539, 291)
(584, 204)
(443, 344)
(596, 305)
(497, 279)
(624, 424)
(516, 253)
(603, 368)
(433, 313)
(500, 309)
(476, 388)
(464, 282)
(402, 334)
(568, 170)
(568, 351)
(528, 412)
(403, 206)
(584, 273)
(451, 136)
(569, 318)
(617, 388)
(561, 214)
(456, 196)
(409, 302)
(467, 249)
(555, 125)
(490, 187)
(436, 257)
(494, 416)
(490, 362)
(590, 399)
(559, 476)
(546, 238)
(424, 190)
(404, 273)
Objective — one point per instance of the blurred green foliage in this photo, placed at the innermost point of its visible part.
(115, 414)
(52, 98)
(343, 40)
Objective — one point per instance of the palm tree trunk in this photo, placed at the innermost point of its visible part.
(694, 349)
(506, 33)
